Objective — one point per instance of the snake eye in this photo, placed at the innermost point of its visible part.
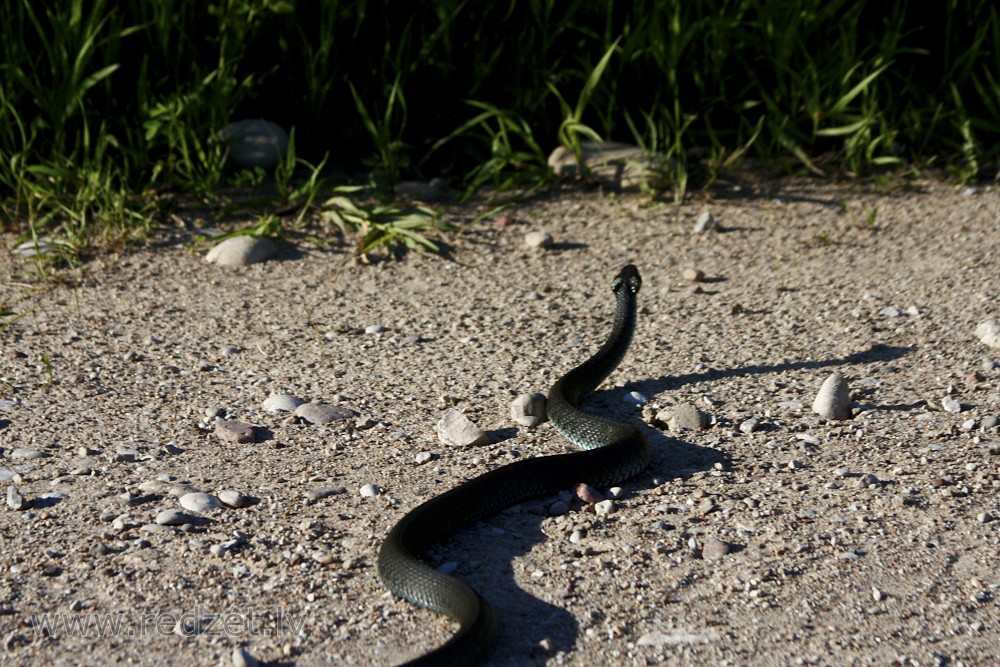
(629, 278)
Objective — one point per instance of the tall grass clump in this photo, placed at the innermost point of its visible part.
(111, 111)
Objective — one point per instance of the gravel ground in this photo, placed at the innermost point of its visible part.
(795, 540)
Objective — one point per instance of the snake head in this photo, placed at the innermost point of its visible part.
(627, 278)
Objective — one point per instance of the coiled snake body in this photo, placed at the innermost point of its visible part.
(612, 452)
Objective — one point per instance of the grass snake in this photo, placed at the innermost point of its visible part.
(611, 452)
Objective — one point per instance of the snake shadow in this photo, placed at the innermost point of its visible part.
(532, 630)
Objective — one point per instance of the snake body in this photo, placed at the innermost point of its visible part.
(612, 452)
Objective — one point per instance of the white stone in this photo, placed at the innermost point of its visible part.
(457, 430)
(538, 239)
(241, 250)
(276, 403)
(231, 498)
(636, 398)
(15, 500)
(528, 409)
(604, 507)
(951, 404)
(198, 502)
(704, 223)
(989, 332)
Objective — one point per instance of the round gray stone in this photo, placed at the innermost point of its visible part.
(528, 409)
(255, 143)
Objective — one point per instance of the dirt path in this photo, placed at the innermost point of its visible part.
(867, 541)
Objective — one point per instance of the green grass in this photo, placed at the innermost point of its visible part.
(110, 111)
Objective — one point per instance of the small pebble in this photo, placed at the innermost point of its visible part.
(984, 517)
(231, 430)
(231, 498)
(615, 492)
(989, 332)
(456, 430)
(315, 495)
(868, 480)
(988, 422)
(833, 401)
(714, 548)
(198, 502)
(877, 595)
(157, 528)
(604, 507)
(538, 239)
(951, 404)
(254, 142)
(750, 425)
(277, 403)
(636, 398)
(891, 311)
(15, 500)
(795, 464)
(322, 413)
(684, 417)
(576, 536)
(375, 329)
(173, 517)
(126, 455)
(423, 457)
(370, 490)
(558, 508)
(322, 557)
(693, 275)
(528, 409)
(588, 494)
(704, 223)
(27, 454)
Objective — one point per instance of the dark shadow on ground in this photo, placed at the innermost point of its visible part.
(489, 549)
(877, 352)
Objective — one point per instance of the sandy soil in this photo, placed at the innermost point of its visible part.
(866, 541)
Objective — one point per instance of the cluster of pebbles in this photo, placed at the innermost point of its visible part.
(182, 443)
